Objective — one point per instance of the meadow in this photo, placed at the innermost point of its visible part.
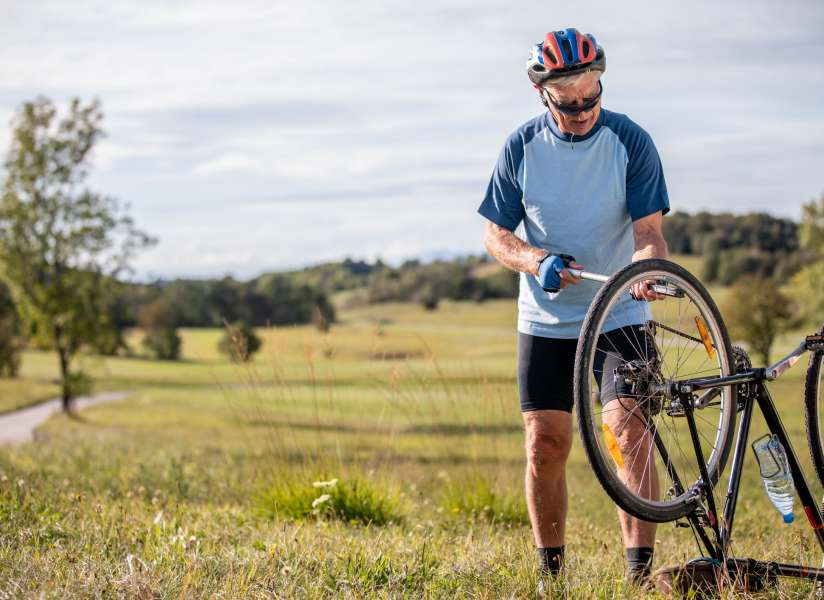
(382, 459)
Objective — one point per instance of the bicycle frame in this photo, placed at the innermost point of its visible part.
(723, 529)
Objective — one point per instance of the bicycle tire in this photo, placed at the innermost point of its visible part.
(812, 389)
(605, 467)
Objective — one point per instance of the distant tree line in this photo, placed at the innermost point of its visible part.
(461, 279)
(272, 299)
(734, 246)
(304, 296)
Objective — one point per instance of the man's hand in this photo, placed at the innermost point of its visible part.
(553, 275)
(640, 290)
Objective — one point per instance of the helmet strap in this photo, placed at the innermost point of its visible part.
(543, 94)
(541, 91)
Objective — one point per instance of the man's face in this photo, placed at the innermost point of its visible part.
(578, 92)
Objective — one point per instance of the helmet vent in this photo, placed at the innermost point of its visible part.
(586, 47)
(551, 56)
(566, 48)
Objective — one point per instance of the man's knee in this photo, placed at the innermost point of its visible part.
(628, 426)
(547, 448)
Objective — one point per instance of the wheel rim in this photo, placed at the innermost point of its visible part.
(669, 344)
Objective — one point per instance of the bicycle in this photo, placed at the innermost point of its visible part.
(658, 422)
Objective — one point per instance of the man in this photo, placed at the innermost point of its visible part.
(580, 181)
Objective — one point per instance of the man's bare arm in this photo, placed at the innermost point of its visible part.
(649, 243)
(510, 250)
(649, 239)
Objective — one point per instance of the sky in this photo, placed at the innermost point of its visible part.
(255, 136)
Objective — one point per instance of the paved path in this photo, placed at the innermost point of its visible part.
(18, 427)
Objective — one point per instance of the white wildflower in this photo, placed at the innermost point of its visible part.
(325, 484)
(320, 500)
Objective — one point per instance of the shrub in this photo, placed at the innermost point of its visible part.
(110, 343)
(11, 343)
(353, 501)
(163, 343)
(239, 341)
(475, 498)
(10, 347)
(428, 297)
(79, 384)
(159, 320)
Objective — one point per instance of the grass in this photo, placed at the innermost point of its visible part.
(23, 392)
(354, 501)
(200, 484)
(475, 497)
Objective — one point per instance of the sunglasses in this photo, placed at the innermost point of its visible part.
(576, 109)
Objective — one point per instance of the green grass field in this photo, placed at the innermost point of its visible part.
(200, 484)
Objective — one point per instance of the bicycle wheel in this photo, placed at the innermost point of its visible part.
(813, 413)
(633, 425)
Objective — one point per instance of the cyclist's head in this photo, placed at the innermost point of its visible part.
(563, 53)
(565, 69)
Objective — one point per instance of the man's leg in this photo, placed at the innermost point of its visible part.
(639, 474)
(548, 442)
(545, 368)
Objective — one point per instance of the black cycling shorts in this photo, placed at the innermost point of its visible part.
(546, 366)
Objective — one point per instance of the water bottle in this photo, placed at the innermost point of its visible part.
(775, 471)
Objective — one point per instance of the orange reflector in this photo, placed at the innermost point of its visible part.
(705, 336)
(612, 446)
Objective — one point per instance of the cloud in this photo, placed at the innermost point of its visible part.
(230, 163)
(251, 135)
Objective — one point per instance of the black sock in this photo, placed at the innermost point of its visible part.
(640, 562)
(551, 559)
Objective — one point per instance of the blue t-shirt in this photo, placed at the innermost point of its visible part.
(576, 195)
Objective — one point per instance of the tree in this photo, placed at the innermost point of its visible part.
(159, 319)
(62, 245)
(11, 342)
(806, 288)
(756, 312)
(239, 342)
(811, 232)
(428, 297)
(116, 317)
(323, 313)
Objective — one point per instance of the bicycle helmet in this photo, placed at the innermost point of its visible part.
(564, 52)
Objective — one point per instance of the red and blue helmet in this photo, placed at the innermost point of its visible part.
(564, 52)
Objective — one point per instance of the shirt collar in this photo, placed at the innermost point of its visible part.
(553, 127)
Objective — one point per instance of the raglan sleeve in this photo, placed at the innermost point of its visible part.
(503, 202)
(646, 187)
